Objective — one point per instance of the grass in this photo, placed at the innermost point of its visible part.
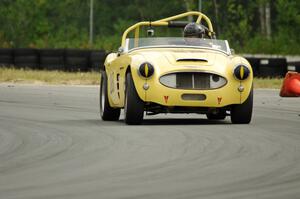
(274, 83)
(11, 75)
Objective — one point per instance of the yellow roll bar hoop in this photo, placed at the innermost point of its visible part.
(165, 22)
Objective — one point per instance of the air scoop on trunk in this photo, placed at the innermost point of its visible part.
(191, 60)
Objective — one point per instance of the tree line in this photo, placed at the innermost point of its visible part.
(250, 26)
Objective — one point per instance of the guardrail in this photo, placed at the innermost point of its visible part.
(92, 60)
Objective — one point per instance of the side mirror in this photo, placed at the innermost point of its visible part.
(232, 51)
(120, 51)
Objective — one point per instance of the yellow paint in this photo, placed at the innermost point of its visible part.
(136, 36)
(242, 72)
(199, 19)
(146, 70)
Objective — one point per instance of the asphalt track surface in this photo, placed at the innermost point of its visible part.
(54, 145)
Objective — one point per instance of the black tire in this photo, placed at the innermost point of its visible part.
(292, 66)
(52, 52)
(6, 51)
(77, 60)
(6, 57)
(242, 113)
(254, 62)
(273, 67)
(52, 59)
(134, 106)
(107, 113)
(28, 61)
(52, 63)
(220, 115)
(6, 60)
(97, 59)
(26, 58)
(25, 52)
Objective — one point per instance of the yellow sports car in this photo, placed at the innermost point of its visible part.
(190, 73)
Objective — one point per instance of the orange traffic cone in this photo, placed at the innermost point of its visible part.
(291, 85)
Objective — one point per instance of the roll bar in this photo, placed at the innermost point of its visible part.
(170, 22)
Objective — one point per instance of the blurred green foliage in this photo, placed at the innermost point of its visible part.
(65, 23)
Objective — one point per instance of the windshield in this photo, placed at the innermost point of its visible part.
(220, 45)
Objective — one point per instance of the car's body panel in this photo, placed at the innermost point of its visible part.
(164, 61)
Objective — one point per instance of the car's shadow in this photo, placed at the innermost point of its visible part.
(181, 121)
(146, 122)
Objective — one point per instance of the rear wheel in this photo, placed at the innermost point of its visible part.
(107, 112)
(134, 106)
(242, 113)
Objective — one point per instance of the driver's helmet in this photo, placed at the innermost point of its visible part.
(194, 30)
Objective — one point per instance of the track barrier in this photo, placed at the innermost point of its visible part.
(97, 59)
(53, 59)
(291, 85)
(272, 67)
(254, 62)
(294, 66)
(77, 60)
(26, 58)
(6, 57)
(93, 60)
